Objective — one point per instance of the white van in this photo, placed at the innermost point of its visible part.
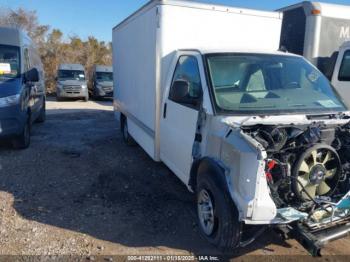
(259, 135)
(319, 32)
(71, 82)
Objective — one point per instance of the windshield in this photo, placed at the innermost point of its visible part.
(9, 62)
(104, 76)
(71, 75)
(247, 84)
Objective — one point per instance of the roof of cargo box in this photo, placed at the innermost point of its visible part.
(199, 5)
(322, 9)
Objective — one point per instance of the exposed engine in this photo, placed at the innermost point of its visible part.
(306, 165)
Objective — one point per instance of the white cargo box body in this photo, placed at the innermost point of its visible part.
(144, 45)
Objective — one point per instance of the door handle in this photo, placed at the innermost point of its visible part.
(164, 112)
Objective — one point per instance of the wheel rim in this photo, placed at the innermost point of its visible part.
(205, 212)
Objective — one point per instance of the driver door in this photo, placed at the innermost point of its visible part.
(180, 116)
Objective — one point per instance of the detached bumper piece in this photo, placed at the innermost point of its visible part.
(314, 241)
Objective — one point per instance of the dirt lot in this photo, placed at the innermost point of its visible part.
(78, 190)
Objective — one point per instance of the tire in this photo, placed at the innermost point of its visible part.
(42, 115)
(125, 132)
(23, 140)
(223, 228)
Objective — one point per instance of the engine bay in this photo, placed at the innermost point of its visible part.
(308, 169)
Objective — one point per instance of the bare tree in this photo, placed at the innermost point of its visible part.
(53, 47)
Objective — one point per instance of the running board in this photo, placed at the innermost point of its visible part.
(314, 242)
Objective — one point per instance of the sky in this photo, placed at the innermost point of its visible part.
(97, 17)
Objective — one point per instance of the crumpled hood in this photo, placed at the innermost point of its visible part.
(241, 121)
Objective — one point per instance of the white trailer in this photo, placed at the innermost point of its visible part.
(249, 129)
(318, 32)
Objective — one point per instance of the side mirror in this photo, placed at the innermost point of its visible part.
(180, 91)
(32, 75)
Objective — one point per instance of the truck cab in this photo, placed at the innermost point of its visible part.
(71, 82)
(101, 82)
(341, 73)
(22, 87)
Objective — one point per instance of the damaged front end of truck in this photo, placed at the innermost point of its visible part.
(304, 164)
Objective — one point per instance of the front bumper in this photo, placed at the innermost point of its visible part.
(72, 93)
(12, 121)
(329, 222)
(101, 92)
(314, 241)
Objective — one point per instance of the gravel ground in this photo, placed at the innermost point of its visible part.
(79, 190)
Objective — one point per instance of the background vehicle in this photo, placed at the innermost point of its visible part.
(318, 32)
(71, 82)
(251, 130)
(22, 89)
(102, 81)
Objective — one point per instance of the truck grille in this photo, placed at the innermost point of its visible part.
(72, 89)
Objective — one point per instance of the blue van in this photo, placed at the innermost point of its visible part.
(22, 87)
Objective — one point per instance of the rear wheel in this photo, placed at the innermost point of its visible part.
(217, 214)
(125, 132)
(23, 140)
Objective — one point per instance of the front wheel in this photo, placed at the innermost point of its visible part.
(217, 214)
(23, 140)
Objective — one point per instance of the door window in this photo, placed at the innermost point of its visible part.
(344, 72)
(187, 69)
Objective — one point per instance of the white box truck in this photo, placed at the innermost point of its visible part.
(321, 33)
(259, 135)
